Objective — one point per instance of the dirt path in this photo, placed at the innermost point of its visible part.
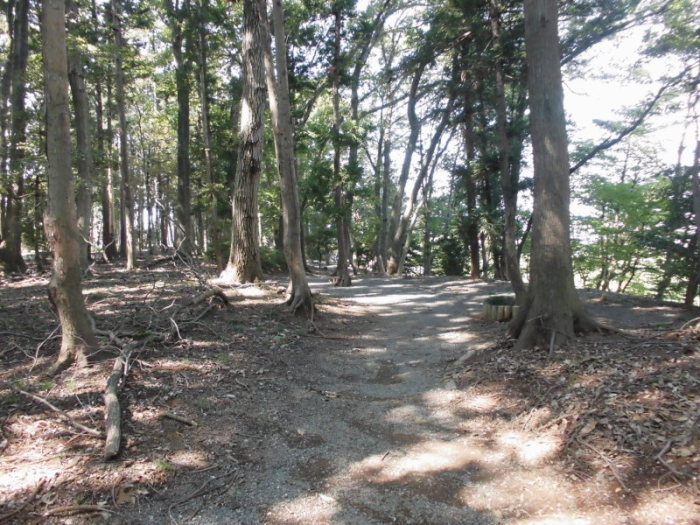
(371, 428)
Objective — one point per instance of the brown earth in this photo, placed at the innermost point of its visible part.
(398, 404)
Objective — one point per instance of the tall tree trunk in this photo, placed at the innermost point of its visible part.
(508, 185)
(183, 208)
(244, 259)
(299, 293)
(65, 289)
(340, 192)
(472, 222)
(127, 247)
(83, 198)
(552, 312)
(11, 259)
(5, 84)
(214, 223)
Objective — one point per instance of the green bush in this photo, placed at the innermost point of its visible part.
(272, 260)
(449, 259)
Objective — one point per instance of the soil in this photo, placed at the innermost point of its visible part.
(397, 404)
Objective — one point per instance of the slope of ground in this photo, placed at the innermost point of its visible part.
(399, 404)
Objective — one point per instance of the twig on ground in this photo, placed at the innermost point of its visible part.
(609, 463)
(24, 505)
(71, 509)
(64, 416)
(169, 415)
(660, 458)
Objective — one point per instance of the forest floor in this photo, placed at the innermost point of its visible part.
(398, 404)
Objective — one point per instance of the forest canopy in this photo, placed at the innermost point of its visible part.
(407, 123)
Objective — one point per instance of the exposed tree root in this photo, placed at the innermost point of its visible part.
(301, 302)
(112, 408)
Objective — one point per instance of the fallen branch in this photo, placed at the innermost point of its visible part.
(69, 509)
(112, 408)
(175, 417)
(660, 458)
(64, 416)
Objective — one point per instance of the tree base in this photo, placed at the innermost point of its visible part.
(343, 280)
(539, 327)
(301, 302)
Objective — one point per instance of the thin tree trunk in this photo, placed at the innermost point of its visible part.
(11, 259)
(214, 226)
(341, 202)
(508, 185)
(244, 259)
(76, 78)
(127, 247)
(65, 289)
(692, 288)
(299, 293)
(472, 226)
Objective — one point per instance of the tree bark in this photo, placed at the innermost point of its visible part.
(183, 208)
(340, 191)
(694, 281)
(472, 220)
(127, 246)
(395, 245)
(552, 312)
(244, 259)
(299, 294)
(83, 198)
(11, 259)
(214, 225)
(65, 288)
(508, 185)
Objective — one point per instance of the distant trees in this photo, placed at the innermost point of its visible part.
(396, 141)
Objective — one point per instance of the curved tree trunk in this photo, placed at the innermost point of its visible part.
(552, 312)
(244, 259)
(299, 294)
(65, 289)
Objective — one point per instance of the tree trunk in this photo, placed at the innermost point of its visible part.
(399, 243)
(472, 222)
(396, 242)
(83, 198)
(244, 259)
(214, 226)
(65, 289)
(126, 247)
(341, 202)
(692, 288)
(552, 312)
(299, 294)
(11, 259)
(508, 185)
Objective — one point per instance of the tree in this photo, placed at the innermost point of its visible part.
(127, 245)
(178, 16)
(83, 132)
(299, 294)
(244, 258)
(552, 312)
(65, 289)
(11, 236)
